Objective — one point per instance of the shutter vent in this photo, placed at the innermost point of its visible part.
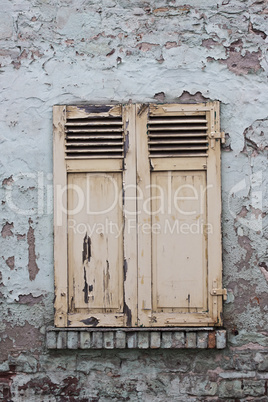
(94, 137)
(175, 136)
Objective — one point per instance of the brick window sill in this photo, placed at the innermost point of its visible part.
(135, 338)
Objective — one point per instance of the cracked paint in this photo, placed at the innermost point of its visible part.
(106, 53)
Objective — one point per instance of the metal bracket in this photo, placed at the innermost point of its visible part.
(219, 292)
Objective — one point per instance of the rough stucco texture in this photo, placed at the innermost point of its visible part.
(56, 52)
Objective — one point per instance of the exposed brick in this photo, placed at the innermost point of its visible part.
(211, 340)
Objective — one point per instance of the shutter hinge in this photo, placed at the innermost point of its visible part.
(219, 292)
(220, 134)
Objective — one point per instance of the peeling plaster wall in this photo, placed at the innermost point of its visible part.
(66, 51)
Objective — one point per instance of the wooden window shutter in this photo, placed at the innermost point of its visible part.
(179, 259)
(137, 215)
(95, 267)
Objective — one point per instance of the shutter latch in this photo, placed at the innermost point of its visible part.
(220, 134)
(219, 292)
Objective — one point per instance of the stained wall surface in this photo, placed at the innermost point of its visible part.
(65, 52)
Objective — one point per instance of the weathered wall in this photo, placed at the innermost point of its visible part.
(70, 51)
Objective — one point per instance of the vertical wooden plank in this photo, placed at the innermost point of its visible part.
(144, 218)
(60, 216)
(130, 217)
(214, 216)
(95, 241)
(178, 214)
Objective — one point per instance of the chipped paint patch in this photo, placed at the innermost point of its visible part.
(240, 63)
(8, 181)
(32, 265)
(187, 97)
(11, 262)
(30, 300)
(6, 230)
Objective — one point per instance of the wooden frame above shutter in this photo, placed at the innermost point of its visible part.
(163, 162)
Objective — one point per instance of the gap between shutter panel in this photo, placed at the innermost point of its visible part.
(177, 136)
(95, 137)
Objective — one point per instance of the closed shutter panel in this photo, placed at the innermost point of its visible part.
(94, 287)
(179, 258)
(137, 215)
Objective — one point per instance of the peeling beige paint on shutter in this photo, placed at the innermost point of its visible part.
(180, 258)
(153, 173)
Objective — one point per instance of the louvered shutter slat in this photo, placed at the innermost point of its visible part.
(189, 133)
(94, 138)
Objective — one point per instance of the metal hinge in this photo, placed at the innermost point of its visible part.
(219, 292)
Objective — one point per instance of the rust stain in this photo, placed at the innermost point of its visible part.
(6, 230)
(32, 265)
